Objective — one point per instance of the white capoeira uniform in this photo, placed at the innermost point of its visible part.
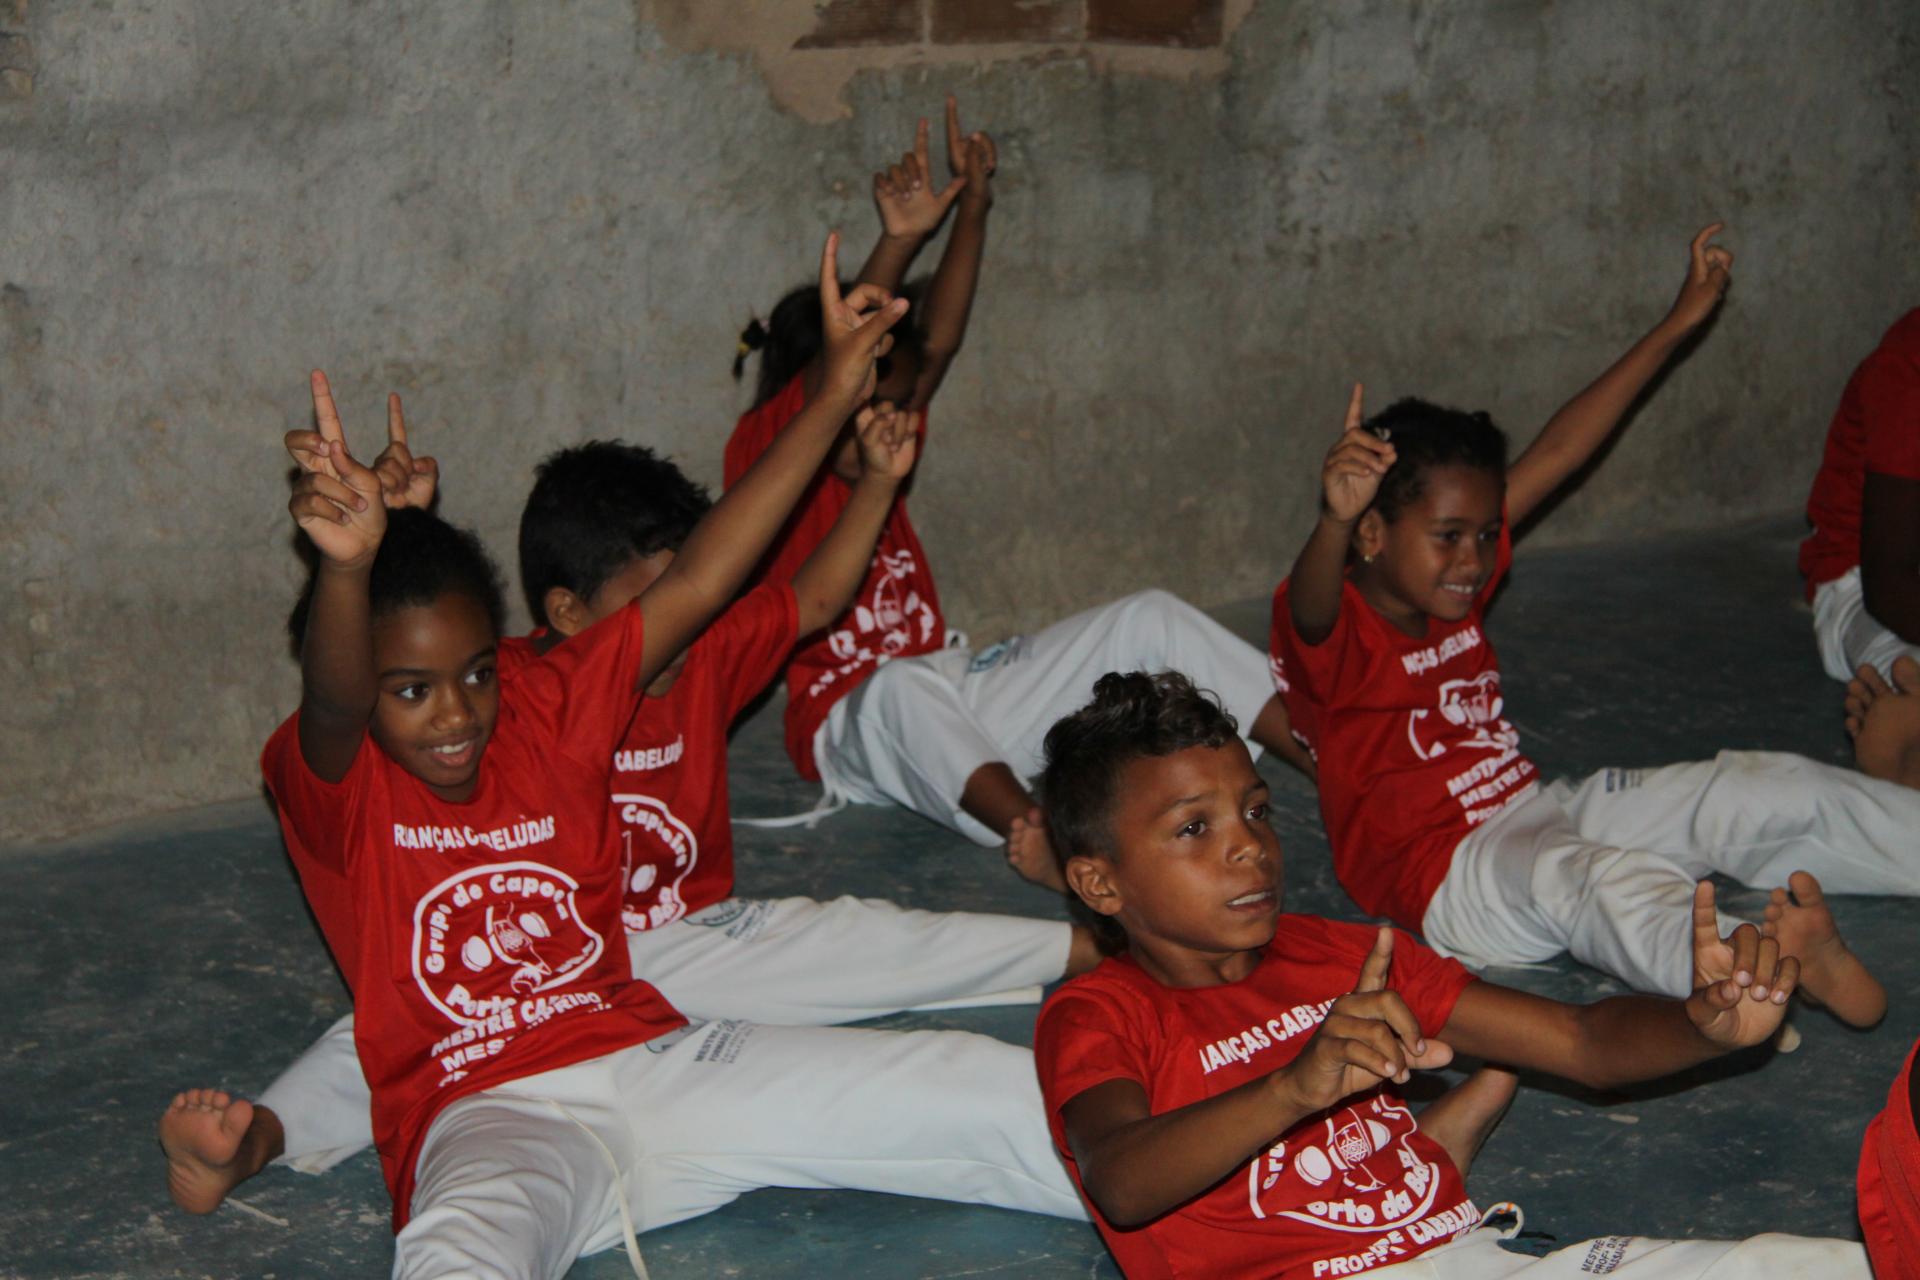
(916, 729)
(1849, 636)
(520, 1180)
(1605, 868)
(789, 962)
(1478, 1256)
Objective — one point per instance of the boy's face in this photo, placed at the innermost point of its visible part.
(438, 698)
(1434, 558)
(1196, 876)
(615, 594)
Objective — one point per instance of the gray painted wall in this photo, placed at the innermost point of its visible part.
(541, 224)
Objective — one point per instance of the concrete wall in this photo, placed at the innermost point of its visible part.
(542, 223)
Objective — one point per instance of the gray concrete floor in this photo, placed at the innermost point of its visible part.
(178, 952)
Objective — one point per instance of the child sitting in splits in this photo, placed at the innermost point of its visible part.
(1436, 819)
(603, 522)
(1226, 1092)
(882, 707)
(532, 1101)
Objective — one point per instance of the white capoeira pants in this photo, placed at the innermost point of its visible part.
(1605, 869)
(1478, 1256)
(519, 1181)
(781, 961)
(917, 728)
(1849, 636)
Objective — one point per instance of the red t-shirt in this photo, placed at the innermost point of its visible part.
(485, 944)
(895, 613)
(1876, 428)
(1412, 748)
(1889, 1184)
(1354, 1187)
(669, 775)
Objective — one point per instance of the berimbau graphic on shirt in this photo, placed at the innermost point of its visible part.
(893, 611)
(1355, 1172)
(1473, 704)
(658, 853)
(491, 936)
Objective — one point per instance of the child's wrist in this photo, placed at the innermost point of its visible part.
(359, 567)
(975, 206)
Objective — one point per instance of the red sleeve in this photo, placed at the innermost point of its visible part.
(1889, 390)
(1502, 558)
(322, 815)
(1083, 1039)
(580, 698)
(750, 642)
(1429, 982)
(1315, 668)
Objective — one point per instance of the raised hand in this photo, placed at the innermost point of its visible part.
(854, 329)
(336, 501)
(972, 157)
(1741, 981)
(889, 441)
(1354, 466)
(1369, 1036)
(405, 481)
(903, 192)
(1709, 272)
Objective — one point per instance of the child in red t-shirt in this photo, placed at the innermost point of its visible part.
(883, 705)
(1862, 561)
(1225, 1092)
(1435, 817)
(603, 522)
(1889, 1180)
(528, 1106)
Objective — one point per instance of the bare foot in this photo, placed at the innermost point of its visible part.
(1829, 973)
(1030, 853)
(204, 1134)
(1884, 720)
(1461, 1118)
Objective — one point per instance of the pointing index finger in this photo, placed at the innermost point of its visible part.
(1373, 970)
(920, 146)
(830, 272)
(324, 411)
(1354, 414)
(396, 422)
(955, 142)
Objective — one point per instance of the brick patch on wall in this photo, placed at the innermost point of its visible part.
(1179, 24)
(1006, 21)
(845, 23)
(1186, 24)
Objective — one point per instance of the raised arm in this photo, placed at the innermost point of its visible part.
(910, 212)
(729, 540)
(1742, 988)
(337, 503)
(1583, 424)
(1348, 481)
(888, 442)
(949, 300)
(1136, 1166)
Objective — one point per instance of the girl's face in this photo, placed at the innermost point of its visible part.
(1435, 557)
(438, 698)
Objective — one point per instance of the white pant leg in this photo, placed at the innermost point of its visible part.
(798, 962)
(509, 1183)
(1478, 1256)
(734, 1106)
(1019, 689)
(1848, 635)
(1527, 885)
(323, 1102)
(1757, 816)
(906, 737)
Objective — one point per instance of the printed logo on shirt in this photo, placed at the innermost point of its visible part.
(884, 625)
(490, 941)
(648, 759)
(1474, 705)
(1420, 661)
(1358, 1173)
(658, 853)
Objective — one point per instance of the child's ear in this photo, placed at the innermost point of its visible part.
(566, 612)
(1092, 878)
(1370, 535)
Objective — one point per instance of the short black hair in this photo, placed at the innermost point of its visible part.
(594, 509)
(790, 336)
(1131, 716)
(1425, 436)
(421, 558)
